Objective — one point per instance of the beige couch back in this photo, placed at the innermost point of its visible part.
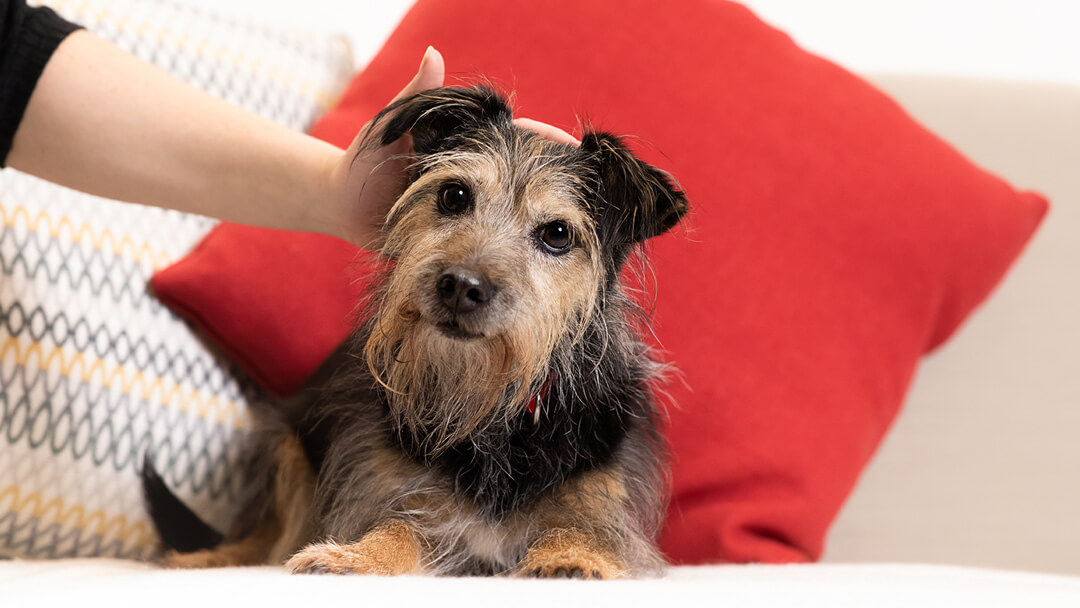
(983, 466)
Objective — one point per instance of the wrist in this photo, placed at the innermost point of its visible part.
(323, 209)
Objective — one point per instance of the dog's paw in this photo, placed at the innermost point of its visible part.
(387, 550)
(582, 566)
(324, 558)
(566, 554)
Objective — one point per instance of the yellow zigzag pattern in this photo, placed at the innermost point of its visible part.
(79, 366)
(76, 516)
(183, 40)
(104, 240)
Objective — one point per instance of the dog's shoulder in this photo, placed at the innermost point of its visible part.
(339, 403)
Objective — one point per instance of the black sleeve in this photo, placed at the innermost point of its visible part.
(28, 37)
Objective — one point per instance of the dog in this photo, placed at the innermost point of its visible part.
(494, 414)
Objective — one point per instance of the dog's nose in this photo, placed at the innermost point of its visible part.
(463, 289)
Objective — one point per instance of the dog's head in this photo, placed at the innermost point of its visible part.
(506, 247)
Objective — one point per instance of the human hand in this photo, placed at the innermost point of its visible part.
(364, 184)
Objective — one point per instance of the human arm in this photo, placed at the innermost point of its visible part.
(104, 122)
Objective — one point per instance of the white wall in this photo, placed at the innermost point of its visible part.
(1019, 39)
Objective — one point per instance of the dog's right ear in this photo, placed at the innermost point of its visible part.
(636, 200)
(436, 116)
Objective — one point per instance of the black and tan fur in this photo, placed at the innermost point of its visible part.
(421, 454)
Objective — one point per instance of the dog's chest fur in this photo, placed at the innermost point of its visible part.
(581, 421)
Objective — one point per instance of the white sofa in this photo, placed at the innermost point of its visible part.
(983, 465)
(978, 480)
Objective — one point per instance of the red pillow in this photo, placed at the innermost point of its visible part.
(832, 242)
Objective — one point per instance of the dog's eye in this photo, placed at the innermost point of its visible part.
(454, 198)
(555, 237)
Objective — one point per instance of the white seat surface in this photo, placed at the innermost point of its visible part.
(119, 583)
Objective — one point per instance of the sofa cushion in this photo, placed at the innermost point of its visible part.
(989, 425)
(833, 241)
(102, 582)
(94, 372)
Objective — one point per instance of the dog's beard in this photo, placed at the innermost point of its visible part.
(440, 390)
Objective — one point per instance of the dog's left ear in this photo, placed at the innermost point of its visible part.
(637, 201)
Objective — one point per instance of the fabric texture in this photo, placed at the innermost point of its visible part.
(832, 242)
(28, 38)
(989, 426)
(94, 372)
(110, 582)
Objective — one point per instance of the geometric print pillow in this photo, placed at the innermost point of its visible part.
(95, 374)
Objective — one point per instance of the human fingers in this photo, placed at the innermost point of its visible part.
(431, 74)
(547, 131)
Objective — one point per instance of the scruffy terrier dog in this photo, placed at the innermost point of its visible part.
(493, 414)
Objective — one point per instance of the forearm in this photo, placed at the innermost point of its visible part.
(104, 122)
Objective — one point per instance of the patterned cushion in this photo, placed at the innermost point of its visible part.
(94, 372)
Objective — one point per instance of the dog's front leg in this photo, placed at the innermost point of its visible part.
(586, 532)
(581, 529)
(389, 549)
(570, 553)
